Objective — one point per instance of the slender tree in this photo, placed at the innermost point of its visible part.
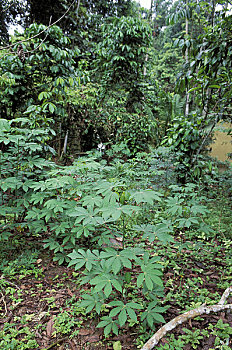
(187, 55)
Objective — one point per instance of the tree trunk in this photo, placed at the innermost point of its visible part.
(187, 59)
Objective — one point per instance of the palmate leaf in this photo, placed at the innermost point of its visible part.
(104, 187)
(151, 270)
(80, 230)
(175, 205)
(10, 182)
(162, 231)
(146, 196)
(39, 185)
(147, 258)
(149, 280)
(117, 259)
(187, 222)
(91, 201)
(37, 197)
(159, 231)
(60, 182)
(106, 281)
(56, 205)
(80, 257)
(92, 301)
(124, 311)
(152, 314)
(199, 209)
(60, 227)
(99, 269)
(85, 216)
(60, 257)
(115, 211)
(109, 325)
(88, 164)
(110, 198)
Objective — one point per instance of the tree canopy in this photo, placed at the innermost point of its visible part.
(107, 115)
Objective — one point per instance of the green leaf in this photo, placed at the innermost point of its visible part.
(116, 266)
(122, 317)
(90, 302)
(102, 324)
(127, 277)
(135, 305)
(140, 279)
(150, 320)
(51, 107)
(117, 285)
(157, 317)
(108, 324)
(195, 88)
(115, 328)
(117, 345)
(146, 196)
(156, 280)
(107, 329)
(108, 289)
(42, 95)
(4, 125)
(214, 86)
(131, 314)
(115, 311)
(148, 282)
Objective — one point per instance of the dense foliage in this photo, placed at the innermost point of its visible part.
(105, 122)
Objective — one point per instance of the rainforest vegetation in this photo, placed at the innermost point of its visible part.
(114, 219)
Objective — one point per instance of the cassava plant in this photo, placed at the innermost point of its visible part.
(84, 206)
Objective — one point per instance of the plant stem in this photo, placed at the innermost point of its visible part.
(123, 232)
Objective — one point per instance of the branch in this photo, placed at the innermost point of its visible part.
(203, 309)
(225, 295)
(13, 284)
(52, 24)
(56, 343)
(43, 39)
(3, 300)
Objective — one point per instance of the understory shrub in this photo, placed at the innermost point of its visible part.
(22, 165)
(184, 138)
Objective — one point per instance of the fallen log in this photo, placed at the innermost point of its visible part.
(201, 310)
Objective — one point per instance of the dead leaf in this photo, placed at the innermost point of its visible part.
(85, 331)
(50, 329)
(39, 316)
(215, 277)
(93, 338)
(59, 295)
(70, 292)
(116, 243)
(72, 344)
